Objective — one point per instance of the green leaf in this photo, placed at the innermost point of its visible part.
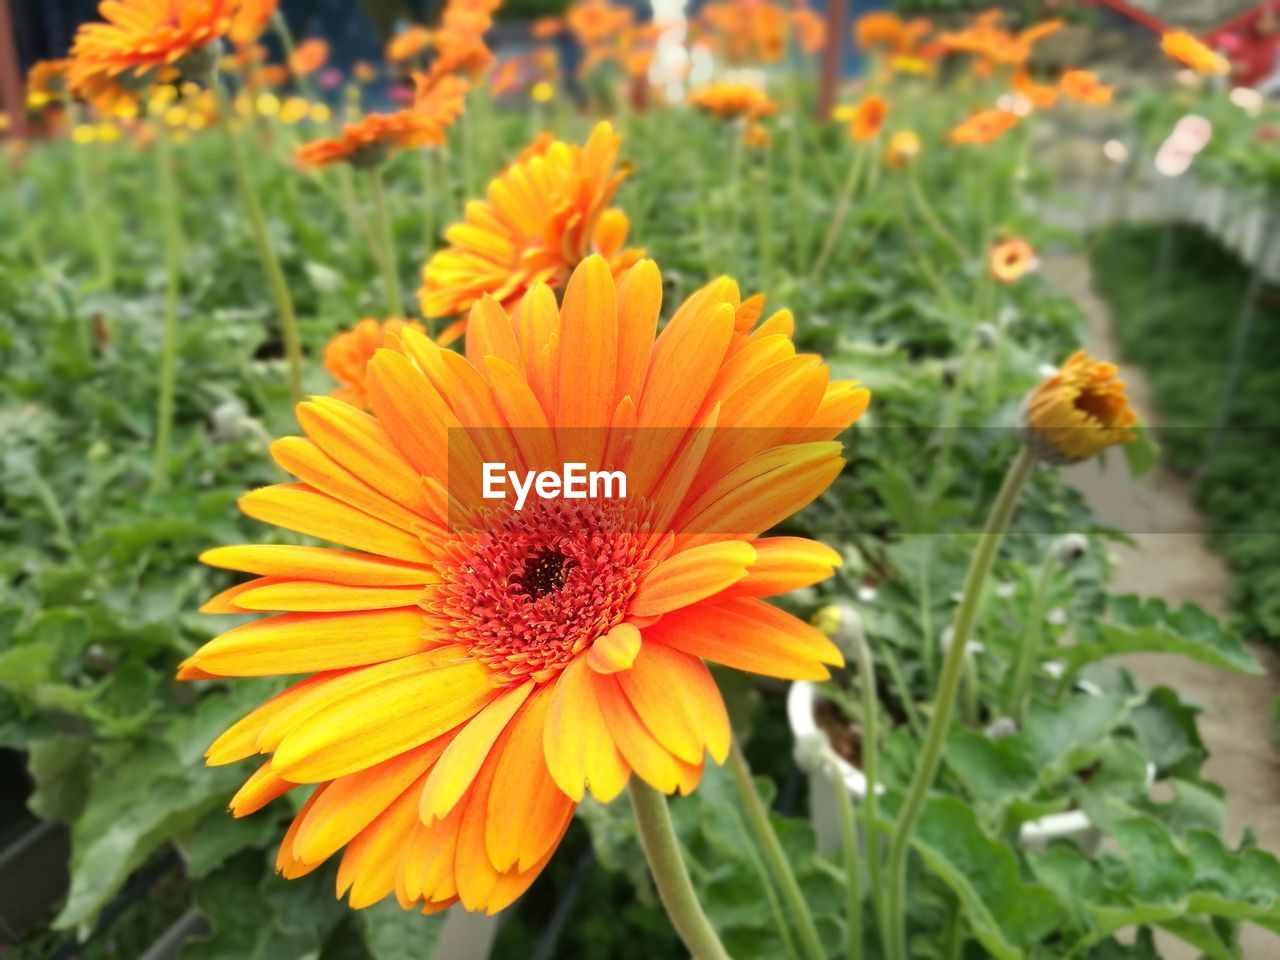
(1142, 453)
(59, 765)
(392, 933)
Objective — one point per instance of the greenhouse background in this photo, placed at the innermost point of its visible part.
(936, 336)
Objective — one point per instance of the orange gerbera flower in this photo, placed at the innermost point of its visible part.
(879, 30)
(1186, 49)
(1040, 95)
(47, 82)
(1011, 260)
(370, 140)
(474, 672)
(903, 148)
(868, 118)
(809, 29)
(984, 127)
(408, 43)
(348, 354)
(1078, 411)
(146, 37)
(731, 100)
(544, 214)
(309, 56)
(1083, 87)
(251, 19)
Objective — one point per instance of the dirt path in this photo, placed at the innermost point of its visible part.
(1236, 725)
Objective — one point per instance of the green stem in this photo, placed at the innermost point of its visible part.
(173, 279)
(945, 699)
(733, 185)
(1029, 651)
(841, 212)
(427, 168)
(758, 820)
(870, 771)
(852, 870)
(670, 875)
(390, 264)
(99, 236)
(266, 253)
(764, 217)
(931, 218)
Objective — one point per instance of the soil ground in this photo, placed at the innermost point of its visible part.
(1236, 724)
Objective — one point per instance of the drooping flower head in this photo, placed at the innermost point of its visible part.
(1078, 412)
(473, 670)
(728, 101)
(543, 215)
(347, 355)
(1083, 87)
(371, 139)
(1194, 53)
(984, 126)
(1011, 260)
(868, 117)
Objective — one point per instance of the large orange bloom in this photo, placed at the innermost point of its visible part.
(370, 140)
(984, 126)
(1186, 49)
(544, 214)
(473, 673)
(141, 36)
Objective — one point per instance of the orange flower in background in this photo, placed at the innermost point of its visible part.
(868, 118)
(371, 139)
(47, 82)
(544, 28)
(747, 31)
(879, 30)
(348, 354)
(1078, 412)
(251, 20)
(596, 22)
(309, 56)
(1011, 260)
(144, 37)
(995, 46)
(756, 136)
(731, 100)
(902, 150)
(1186, 49)
(544, 214)
(984, 127)
(471, 674)
(409, 43)
(459, 43)
(364, 72)
(1083, 87)
(1041, 95)
(809, 29)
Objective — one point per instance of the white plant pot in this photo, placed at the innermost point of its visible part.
(466, 936)
(802, 698)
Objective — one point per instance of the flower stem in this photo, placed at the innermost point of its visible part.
(852, 871)
(870, 770)
(841, 211)
(945, 699)
(266, 253)
(758, 819)
(173, 279)
(931, 217)
(390, 264)
(1029, 651)
(670, 875)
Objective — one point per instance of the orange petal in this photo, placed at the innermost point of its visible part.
(240, 740)
(641, 749)
(677, 698)
(616, 650)
(784, 564)
(490, 334)
(314, 596)
(260, 789)
(576, 740)
(318, 563)
(588, 355)
(639, 303)
(368, 868)
(691, 575)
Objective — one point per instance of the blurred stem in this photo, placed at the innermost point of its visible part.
(764, 219)
(842, 210)
(944, 701)
(347, 187)
(775, 856)
(733, 185)
(390, 262)
(852, 869)
(670, 874)
(427, 169)
(1029, 651)
(930, 216)
(99, 236)
(266, 253)
(870, 771)
(173, 279)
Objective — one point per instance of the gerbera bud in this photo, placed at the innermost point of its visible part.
(1077, 412)
(1070, 549)
(843, 624)
(986, 335)
(904, 147)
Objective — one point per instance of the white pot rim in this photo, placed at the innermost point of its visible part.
(803, 697)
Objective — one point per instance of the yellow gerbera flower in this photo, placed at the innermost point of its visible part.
(473, 672)
(1011, 260)
(1078, 412)
(544, 214)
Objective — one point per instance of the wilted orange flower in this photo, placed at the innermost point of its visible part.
(731, 100)
(473, 673)
(348, 354)
(1083, 87)
(409, 43)
(984, 127)
(1041, 95)
(1186, 49)
(145, 37)
(1011, 260)
(251, 19)
(903, 148)
(370, 140)
(1078, 412)
(309, 56)
(544, 214)
(868, 118)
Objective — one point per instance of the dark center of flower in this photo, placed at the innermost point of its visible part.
(544, 571)
(1096, 405)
